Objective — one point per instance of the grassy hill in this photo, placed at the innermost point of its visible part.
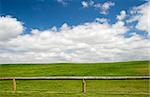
(76, 69)
(67, 88)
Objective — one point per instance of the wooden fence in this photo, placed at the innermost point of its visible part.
(83, 78)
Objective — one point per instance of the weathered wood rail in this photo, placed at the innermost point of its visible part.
(83, 78)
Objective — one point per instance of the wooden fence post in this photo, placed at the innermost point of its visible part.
(83, 86)
(14, 84)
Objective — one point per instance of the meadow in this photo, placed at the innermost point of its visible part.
(73, 88)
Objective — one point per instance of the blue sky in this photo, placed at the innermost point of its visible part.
(43, 14)
(52, 31)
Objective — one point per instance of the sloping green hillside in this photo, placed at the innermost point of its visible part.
(76, 69)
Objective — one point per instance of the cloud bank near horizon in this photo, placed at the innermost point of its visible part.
(97, 41)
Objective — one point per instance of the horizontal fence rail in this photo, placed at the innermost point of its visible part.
(78, 78)
(83, 78)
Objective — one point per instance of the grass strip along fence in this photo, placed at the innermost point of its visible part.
(83, 78)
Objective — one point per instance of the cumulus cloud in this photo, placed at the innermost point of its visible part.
(144, 19)
(102, 20)
(10, 28)
(84, 4)
(142, 16)
(105, 7)
(102, 7)
(96, 41)
(122, 15)
(89, 42)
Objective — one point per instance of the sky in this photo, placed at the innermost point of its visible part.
(52, 31)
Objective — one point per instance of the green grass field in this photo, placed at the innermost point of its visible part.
(66, 88)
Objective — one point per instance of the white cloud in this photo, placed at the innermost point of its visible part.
(84, 4)
(89, 42)
(65, 27)
(142, 16)
(102, 7)
(102, 20)
(97, 41)
(122, 15)
(106, 6)
(144, 19)
(9, 28)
